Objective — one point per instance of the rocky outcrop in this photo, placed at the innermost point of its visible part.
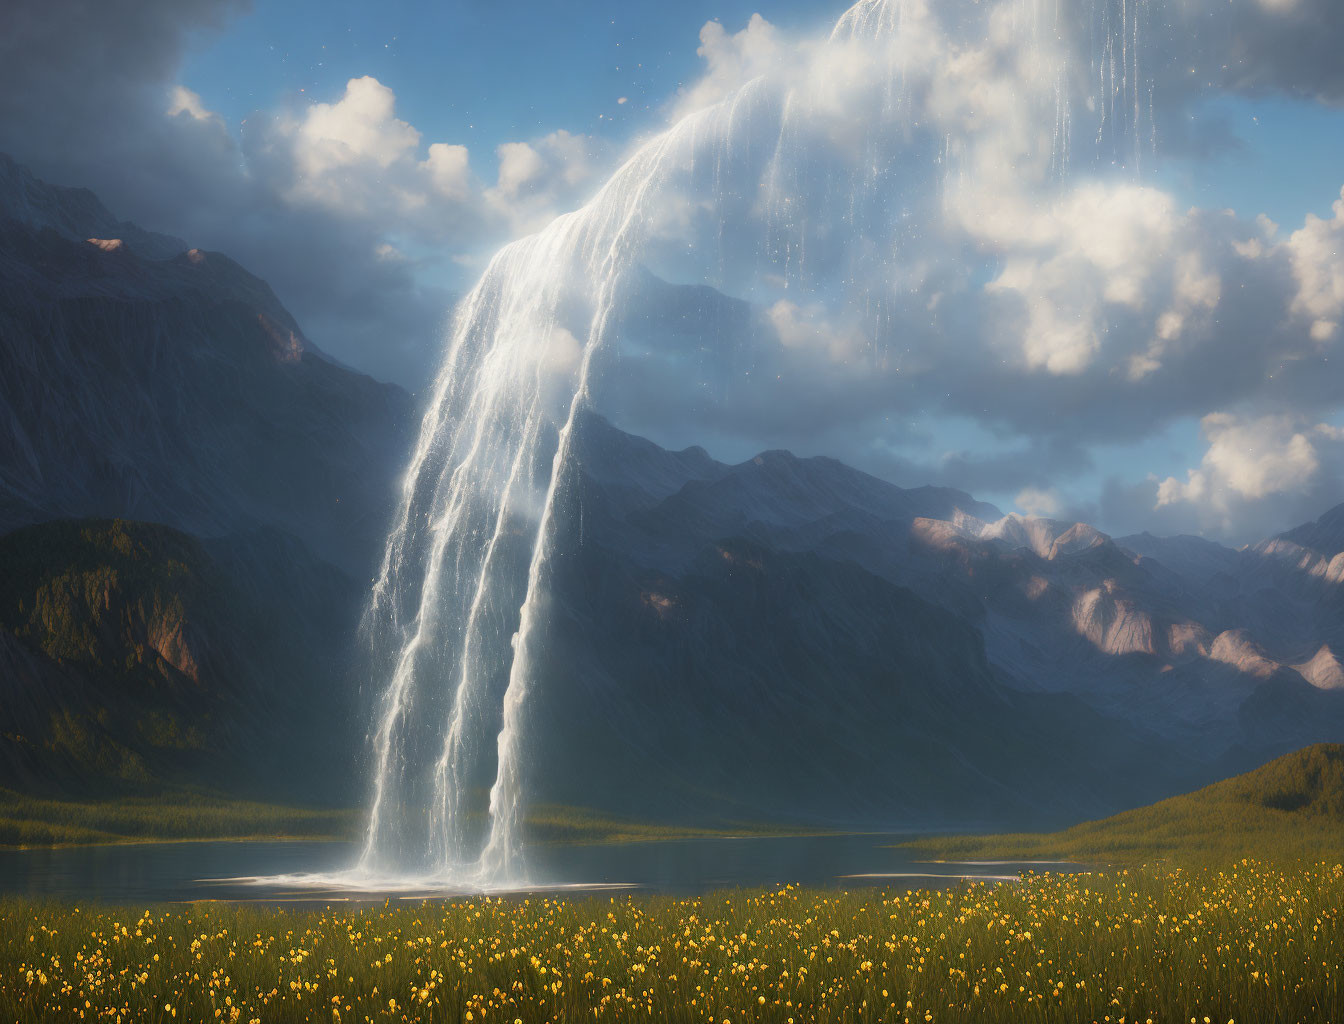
(131, 654)
(1324, 670)
(1112, 624)
(1235, 648)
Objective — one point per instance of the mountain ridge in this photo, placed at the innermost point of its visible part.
(73, 212)
(177, 390)
(1063, 607)
(901, 656)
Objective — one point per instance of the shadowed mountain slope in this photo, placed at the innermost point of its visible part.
(786, 637)
(175, 388)
(133, 655)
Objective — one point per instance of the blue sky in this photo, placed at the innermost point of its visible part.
(482, 74)
(1108, 346)
(1288, 160)
(485, 74)
(477, 73)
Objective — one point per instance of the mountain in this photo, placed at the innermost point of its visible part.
(1325, 536)
(885, 654)
(73, 213)
(192, 498)
(145, 380)
(713, 649)
(195, 496)
(133, 655)
(1292, 807)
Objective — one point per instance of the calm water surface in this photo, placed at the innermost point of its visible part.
(172, 872)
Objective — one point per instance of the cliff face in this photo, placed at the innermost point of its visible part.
(209, 637)
(176, 389)
(131, 654)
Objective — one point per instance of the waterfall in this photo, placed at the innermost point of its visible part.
(807, 164)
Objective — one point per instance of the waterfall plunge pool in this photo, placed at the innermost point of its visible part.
(317, 872)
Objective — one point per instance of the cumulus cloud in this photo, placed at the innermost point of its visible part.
(183, 101)
(1251, 459)
(449, 168)
(1317, 253)
(356, 154)
(312, 198)
(360, 129)
(809, 329)
(731, 60)
(951, 268)
(1260, 474)
(1035, 502)
(537, 179)
(926, 217)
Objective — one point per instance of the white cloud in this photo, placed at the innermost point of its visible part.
(519, 164)
(941, 196)
(1035, 501)
(541, 178)
(182, 100)
(1076, 262)
(808, 330)
(361, 127)
(731, 60)
(1251, 459)
(450, 170)
(1317, 253)
(355, 157)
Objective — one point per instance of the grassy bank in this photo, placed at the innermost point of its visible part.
(1246, 943)
(184, 816)
(558, 823)
(31, 821)
(1290, 809)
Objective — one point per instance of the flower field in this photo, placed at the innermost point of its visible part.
(1249, 943)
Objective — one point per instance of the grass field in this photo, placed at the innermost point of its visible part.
(1202, 935)
(1248, 943)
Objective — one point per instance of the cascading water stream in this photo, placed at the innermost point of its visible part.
(458, 614)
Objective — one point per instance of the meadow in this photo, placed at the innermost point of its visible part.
(1248, 942)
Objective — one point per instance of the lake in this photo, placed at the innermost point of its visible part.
(286, 872)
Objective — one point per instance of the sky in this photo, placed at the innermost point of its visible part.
(1135, 325)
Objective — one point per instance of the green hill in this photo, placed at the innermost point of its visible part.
(1290, 808)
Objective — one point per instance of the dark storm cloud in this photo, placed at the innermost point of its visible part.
(71, 71)
(1191, 49)
(1261, 46)
(86, 90)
